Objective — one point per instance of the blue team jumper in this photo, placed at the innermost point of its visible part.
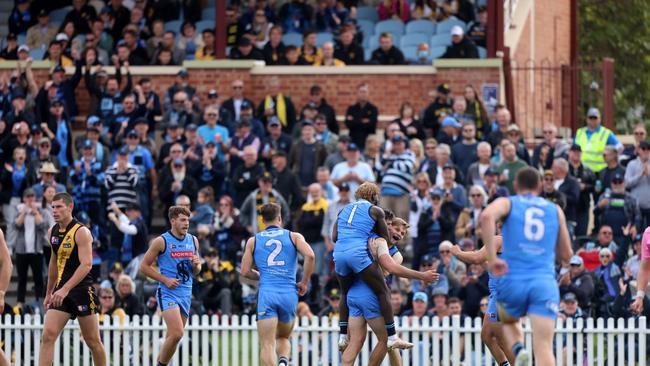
(492, 308)
(175, 261)
(355, 226)
(530, 234)
(276, 258)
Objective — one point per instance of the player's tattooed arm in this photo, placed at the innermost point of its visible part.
(380, 222)
(247, 261)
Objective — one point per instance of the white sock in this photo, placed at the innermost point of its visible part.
(393, 337)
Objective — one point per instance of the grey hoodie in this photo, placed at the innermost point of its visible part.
(639, 186)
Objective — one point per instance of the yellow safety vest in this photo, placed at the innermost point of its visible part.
(593, 148)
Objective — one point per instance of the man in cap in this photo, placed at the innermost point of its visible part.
(514, 135)
(450, 132)
(549, 192)
(10, 52)
(245, 175)
(21, 17)
(43, 148)
(257, 126)
(577, 281)
(213, 100)
(234, 103)
(593, 138)
(307, 155)
(461, 47)
(571, 308)
(398, 171)
(245, 50)
(619, 210)
(242, 138)
(276, 140)
(42, 33)
(124, 121)
(109, 96)
(352, 172)
(249, 212)
(586, 181)
(491, 185)
(181, 83)
(17, 114)
(556, 145)
(87, 179)
(324, 135)
(173, 135)
(637, 181)
(439, 107)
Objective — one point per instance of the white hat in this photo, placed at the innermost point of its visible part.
(457, 31)
(24, 48)
(62, 37)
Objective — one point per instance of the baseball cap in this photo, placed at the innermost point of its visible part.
(140, 120)
(548, 172)
(58, 68)
(334, 294)
(307, 122)
(311, 105)
(117, 267)
(93, 120)
(353, 147)
(23, 48)
(437, 192)
(637, 237)
(244, 123)
(191, 127)
(44, 140)
(246, 105)
(513, 127)
(345, 138)
(344, 187)
(34, 128)
(569, 296)
(244, 42)
(280, 153)
(274, 121)
(618, 177)
(575, 147)
(213, 93)
(427, 259)
(266, 177)
(466, 243)
(92, 129)
(420, 296)
(124, 150)
(210, 143)
(131, 133)
(443, 88)
(132, 206)
(61, 37)
(576, 260)
(183, 73)
(439, 291)
(172, 125)
(88, 144)
(28, 192)
(490, 171)
(18, 93)
(448, 165)
(397, 138)
(593, 112)
(43, 13)
(450, 121)
(605, 251)
(457, 31)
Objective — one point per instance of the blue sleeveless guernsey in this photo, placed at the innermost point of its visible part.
(355, 226)
(530, 234)
(276, 259)
(176, 262)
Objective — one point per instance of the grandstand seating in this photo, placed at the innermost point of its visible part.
(421, 26)
(323, 37)
(208, 14)
(392, 26)
(294, 39)
(205, 24)
(174, 25)
(59, 14)
(367, 27)
(440, 40)
(413, 39)
(446, 25)
(368, 13)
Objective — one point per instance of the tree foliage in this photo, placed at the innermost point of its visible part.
(620, 30)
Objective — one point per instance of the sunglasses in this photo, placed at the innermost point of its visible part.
(107, 297)
(468, 130)
(639, 133)
(606, 232)
(593, 117)
(645, 148)
(238, 87)
(548, 132)
(445, 251)
(211, 114)
(427, 264)
(476, 195)
(617, 181)
(605, 256)
(430, 148)
(484, 304)
(179, 101)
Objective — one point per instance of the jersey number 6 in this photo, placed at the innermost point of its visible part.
(534, 224)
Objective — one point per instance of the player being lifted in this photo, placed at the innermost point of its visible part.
(274, 252)
(354, 225)
(5, 276)
(177, 253)
(534, 230)
(70, 293)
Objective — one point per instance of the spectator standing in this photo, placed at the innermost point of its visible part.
(607, 276)
(637, 180)
(122, 16)
(419, 199)
(387, 53)
(397, 176)
(612, 168)
(228, 231)
(434, 226)
(550, 193)
(454, 194)
(352, 171)
(361, 117)
(286, 181)
(275, 141)
(275, 103)
(132, 225)
(147, 187)
(586, 180)
(346, 49)
(593, 138)
(246, 175)
(461, 47)
(503, 121)
(87, 178)
(262, 195)
(515, 136)
(467, 225)
(558, 147)
(43, 155)
(333, 209)
(473, 287)
(14, 181)
(176, 184)
(58, 127)
(477, 32)
(21, 17)
(578, 282)
(238, 143)
(569, 187)
(449, 134)
(48, 173)
(631, 151)
(295, 16)
(465, 152)
(324, 135)
(110, 97)
(618, 209)
(307, 155)
(409, 123)
(510, 166)
(234, 103)
(310, 224)
(476, 171)
(451, 267)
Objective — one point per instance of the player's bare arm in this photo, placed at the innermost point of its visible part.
(379, 248)
(52, 275)
(380, 222)
(5, 270)
(83, 240)
(196, 259)
(564, 250)
(335, 231)
(247, 261)
(146, 267)
(494, 212)
(475, 256)
(309, 261)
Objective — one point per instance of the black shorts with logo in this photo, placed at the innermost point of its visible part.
(81, 301)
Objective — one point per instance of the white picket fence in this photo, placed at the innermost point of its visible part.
(234, 341)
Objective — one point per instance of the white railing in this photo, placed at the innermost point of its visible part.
(234, 341)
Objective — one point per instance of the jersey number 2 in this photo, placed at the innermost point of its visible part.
(274, 254)
(534, 224)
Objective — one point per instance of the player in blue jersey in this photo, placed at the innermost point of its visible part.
(534, 231)
(5, 276)
(491, 332)
(274, 253)
(355, 224)
(177, 253)
(364, 304)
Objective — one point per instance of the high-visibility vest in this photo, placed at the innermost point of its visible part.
(593, 148)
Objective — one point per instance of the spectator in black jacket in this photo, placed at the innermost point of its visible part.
(109, 96)
(133, 226)
(346, 49)
(244, 178)
(234, 103)
(17, 114)
(387, 53)
(440, 106)
(286, 181)
(361, 117)
(67, 86)
(175, 184)
(461, 47)
(586, 180)
(81, 15)
(578, 281)
(245, 50)
(126, 299)
(316, 97)
(22, 17)
(568, 186)
(274, 49)
(434, 226)
(275, 142)
(474, 286)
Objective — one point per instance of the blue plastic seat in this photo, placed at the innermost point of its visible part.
(58, 15)
(205, 24)
(482, 52)
(37, 53)
(323, 37)
(446, 25)
(413, 39)
(410, 52)
(421, 26)
(440, 40)
(391, 26)
(294, 39)
(367, 27)
(208, 14)
(174, 26)
(437, 52)
(368, 13)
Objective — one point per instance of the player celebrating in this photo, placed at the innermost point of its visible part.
(70, 293)
(5, 276)
(178, 259)
(274, 253)
(364, 305)
(354, 225)
(532, 229)
(644, 274)
(491, 333)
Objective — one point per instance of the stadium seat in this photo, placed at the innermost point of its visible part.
(437, 52)
(323, 37)
(368, 13)
(410, 52)
(440, 40)
(208, 14)
(446, 25)
(391, 26)
(59, 14)
(374, 41)
(482, 52)
(174, 26)
(421, 26)
(294, 39)
(367, 27)
(21, 38)
(367, 53)
(205, 24)
(413, 39)
(37, 53)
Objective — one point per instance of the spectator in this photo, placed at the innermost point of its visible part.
(203, 213)
(307, 155)
(577, 281)
(346, 49)
(137, 54)
(612, 168)
(175, 184)
(132, 225)
(409, 123)
(181, 83)
(452, 268)
(558, 147)
(246, 175)
(258, 30)
(618, 209)
(442, 159)
(234, 103)
(593, 138)
(286, 181)
(189, 41)
(211, 131)
(154, 42)
(475, 110)
(275, 141)
(217, 289)
(633, 264)
(42, 155)
(147, 187)
(569, 187)
(292, 57)
(87, 178)
(419, 307)
(331, 14)
(461, 47)
(637, 180)
(228, 231)
(330, 190)
(467, 225)
(454, 193)
(10, 52)
(256, 199)
(212, 170)
(241, 139)
(474, 286)
(328, 58)
(394, 9)
(465, 153)
(121, 180)
(423, 55)
(477, 32)
(418, 201)
(459, 109)
(434, 226)
(21, 17)
(631, 151)
(107, 306)
(387, 53)
(607, 276)
(586, 180)
(590, 251)
(126, 298)
(124, 121)
(275, 103)
(274, 49)
(352, 171)
(516, 138)
(110, 97)
(169, 45)
(476, 171)
(331, 310)
(122, 17)
(511, 164)
(361, 117)
(450, 132)
(397, 175)
(310, 224)
(245, 51)
(295, 16)
(503, 120)
(324, 135)
(48, 172)
(42, 33)
(571, 309)
(181, 112)
(397, 302)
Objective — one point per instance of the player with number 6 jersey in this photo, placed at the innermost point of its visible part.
(274, 251)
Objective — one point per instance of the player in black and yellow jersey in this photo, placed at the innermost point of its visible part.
(70, 293)
(5, 277)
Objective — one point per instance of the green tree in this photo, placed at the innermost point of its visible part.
(620, 30)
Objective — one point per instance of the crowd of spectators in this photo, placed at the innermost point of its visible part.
(138, 32)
